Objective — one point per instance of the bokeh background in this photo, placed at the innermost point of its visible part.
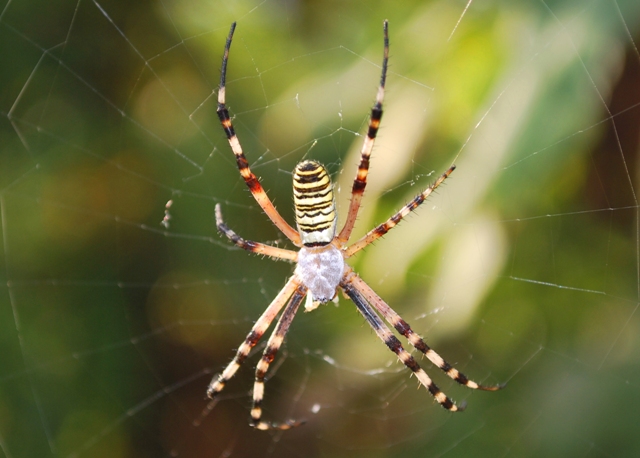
(524, 268)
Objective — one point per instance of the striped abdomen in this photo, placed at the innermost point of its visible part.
(314, 204)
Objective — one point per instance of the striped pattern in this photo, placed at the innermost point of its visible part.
(259, 328)
(243, 165)
(389, 224)
(391, 341)
(314, 204)
(360, 181)
(414, 339)
(254, 247)
(273, 345)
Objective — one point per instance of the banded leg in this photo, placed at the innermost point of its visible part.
(403, 328)
(218, 382)
(254, 247)
(243, 165)
(385, 227)
(385, 334)
(273, 345)
(360, 181)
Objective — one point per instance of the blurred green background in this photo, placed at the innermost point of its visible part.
(522, 269)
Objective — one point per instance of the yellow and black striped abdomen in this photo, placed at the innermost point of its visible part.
(314, 204)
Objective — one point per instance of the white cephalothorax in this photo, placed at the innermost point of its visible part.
(320, 269)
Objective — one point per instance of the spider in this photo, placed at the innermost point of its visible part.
(320, 262)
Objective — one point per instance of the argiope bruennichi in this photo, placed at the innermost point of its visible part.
(320, 262)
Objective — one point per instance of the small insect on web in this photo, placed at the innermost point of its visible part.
(320, 261)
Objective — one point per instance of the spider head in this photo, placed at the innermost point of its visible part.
(314, 203)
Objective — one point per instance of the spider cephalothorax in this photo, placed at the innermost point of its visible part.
(321, 269)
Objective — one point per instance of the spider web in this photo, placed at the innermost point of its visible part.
(121, 301)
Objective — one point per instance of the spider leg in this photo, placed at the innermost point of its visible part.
(273, 345)
(385, 334)
(218, 382)
(360, 181)
(243, 165)
(254, 247)
(403, 328)
(385, 227)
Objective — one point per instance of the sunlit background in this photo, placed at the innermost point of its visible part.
(523, 268)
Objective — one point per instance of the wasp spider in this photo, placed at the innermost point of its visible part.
(320, 262)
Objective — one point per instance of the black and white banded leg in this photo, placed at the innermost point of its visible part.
(243, 164)
(360, 181)
(389, 224)
(254, 247)
(414, 339)
(273, 345)
(391, 341)
(259, 328)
